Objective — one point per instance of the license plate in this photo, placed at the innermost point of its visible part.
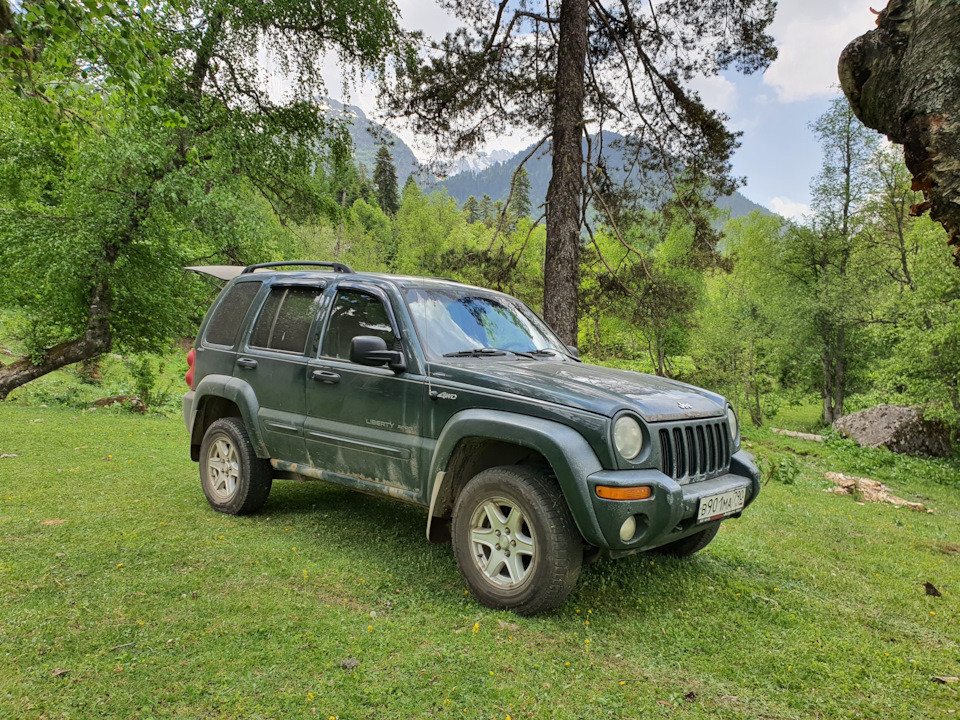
(713, 507)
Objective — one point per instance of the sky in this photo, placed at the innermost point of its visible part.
(778, 155)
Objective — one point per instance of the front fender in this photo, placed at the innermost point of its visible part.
(569, 454)
(236, 391)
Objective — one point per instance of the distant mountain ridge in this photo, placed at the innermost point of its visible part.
(368, 135)
(495, 180)
(486, 173)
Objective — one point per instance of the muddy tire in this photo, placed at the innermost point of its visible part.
(233, 478)
(516, 543)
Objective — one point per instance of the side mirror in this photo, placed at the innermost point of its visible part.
(372, 350)
(572, 349)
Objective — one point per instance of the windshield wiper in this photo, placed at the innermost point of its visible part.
(487, 352)
(546, 352)
(476, 352)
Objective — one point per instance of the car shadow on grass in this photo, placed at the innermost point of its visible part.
(390, 537)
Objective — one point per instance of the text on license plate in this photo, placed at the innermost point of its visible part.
(715, 506)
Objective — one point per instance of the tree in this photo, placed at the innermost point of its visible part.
(385, 178)
(195, 162)
(623, 63)
(900, 80)
(485, 211)
(825, 256)
(520, 202)
(471, 209)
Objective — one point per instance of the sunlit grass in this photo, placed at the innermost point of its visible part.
(123, 595)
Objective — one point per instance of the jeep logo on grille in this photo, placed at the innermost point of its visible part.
(684, 406)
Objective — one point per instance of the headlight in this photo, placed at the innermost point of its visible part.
(627, 437)
(733, 425)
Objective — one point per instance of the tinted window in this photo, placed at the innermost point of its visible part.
(355, 313)
(284, 322)
(223, 326)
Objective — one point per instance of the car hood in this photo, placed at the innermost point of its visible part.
(589, 387)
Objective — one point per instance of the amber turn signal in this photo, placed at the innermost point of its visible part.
(624, 493)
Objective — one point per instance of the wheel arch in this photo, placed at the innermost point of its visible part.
(219, 396)
(477, 439)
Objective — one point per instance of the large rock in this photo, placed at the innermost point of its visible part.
(897, 428)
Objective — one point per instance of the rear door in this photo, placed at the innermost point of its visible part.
(273, 362)
(363, 422)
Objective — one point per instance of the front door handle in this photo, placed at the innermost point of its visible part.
(325, 376)
(248, 363)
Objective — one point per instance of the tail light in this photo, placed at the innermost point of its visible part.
(191, 356)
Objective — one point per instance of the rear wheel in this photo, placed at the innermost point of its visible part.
(516, 543)
(684, 547)
(234, 479)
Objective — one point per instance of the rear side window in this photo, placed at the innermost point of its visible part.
(223, 326)
(284, 322)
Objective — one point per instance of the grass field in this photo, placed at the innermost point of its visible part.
(123, 595)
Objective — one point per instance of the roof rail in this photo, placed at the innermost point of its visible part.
(335, 266)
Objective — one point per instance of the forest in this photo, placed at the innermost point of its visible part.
(134, 143)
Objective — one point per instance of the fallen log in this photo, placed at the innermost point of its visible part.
(798, 435)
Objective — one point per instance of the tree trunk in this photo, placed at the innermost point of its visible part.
(827, 391)
(564, 194)
(753, 389)
(901, 79)
(95, 341)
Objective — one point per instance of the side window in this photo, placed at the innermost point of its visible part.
(355, 313)
(285, 319)
(223, 326)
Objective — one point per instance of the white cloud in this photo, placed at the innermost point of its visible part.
(717, 92)
(788, 208)
(810, 35)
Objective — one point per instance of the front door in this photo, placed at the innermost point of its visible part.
(363, 422)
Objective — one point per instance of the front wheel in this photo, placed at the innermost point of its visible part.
(234, 479)
(516, 543)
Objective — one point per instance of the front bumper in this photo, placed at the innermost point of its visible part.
(670, 513)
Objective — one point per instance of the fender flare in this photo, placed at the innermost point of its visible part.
(241, 395)
(569, 454)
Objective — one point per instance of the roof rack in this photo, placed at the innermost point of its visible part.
(335, 266)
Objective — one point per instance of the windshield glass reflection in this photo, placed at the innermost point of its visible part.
(453, 321)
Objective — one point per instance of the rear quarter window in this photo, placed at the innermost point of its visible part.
(227, 318)
(285, 320)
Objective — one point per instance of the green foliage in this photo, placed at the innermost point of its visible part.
(149, 383)
(135, 140)
(385, 178)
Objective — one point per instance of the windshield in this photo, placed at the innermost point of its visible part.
(452, 321)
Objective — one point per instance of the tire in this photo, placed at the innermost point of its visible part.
(691, 544)
(527, 507)
(233, 478)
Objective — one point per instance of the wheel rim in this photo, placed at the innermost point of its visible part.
(502, 543)
(223, 468)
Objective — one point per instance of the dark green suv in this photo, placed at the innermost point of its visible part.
(462, 401)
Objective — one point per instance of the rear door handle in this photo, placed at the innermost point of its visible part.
(248, 363)
(325, 376)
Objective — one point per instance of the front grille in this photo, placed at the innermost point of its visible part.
(697, 451)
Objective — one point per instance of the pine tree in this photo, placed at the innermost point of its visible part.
(520, 202)
(385, 178)
(546, 68)
(471, 209)
(411, 186)
(485, 212)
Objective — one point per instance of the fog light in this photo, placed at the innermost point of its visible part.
(628, 529)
